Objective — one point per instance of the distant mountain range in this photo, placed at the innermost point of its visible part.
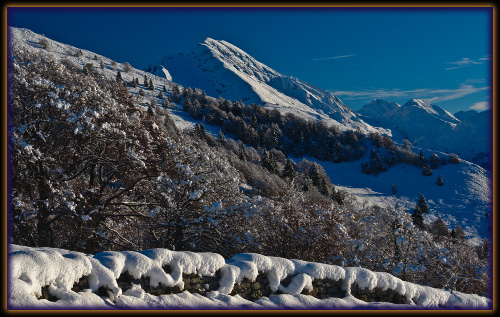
(222, 69)
(429, 126)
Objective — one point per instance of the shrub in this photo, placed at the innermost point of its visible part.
(127, 67)
(453, 158)
(44, 42)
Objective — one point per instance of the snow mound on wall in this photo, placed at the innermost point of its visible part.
(33, 268)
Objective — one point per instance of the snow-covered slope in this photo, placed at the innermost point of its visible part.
(429, 126)
(34, 268)
(464, 199)
(222, 69)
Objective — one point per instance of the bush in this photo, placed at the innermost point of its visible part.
(453, 158)
(127, 67)
(427, 170)
(44, 42)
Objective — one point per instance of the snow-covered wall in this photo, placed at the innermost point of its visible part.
(159, 278)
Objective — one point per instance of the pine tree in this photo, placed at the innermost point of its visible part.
(439, 228)
(164, 88)
(323, 188)
(426, 170)
(160, 95)
(243, 153)
(421, 158)
(221, 137)
(102, 64)
(119, 76)
(439, 181)
(288, 170)
(315, 175)
(145, 81)
(421, 209)
(95, 57)
(458, 234)
(187, 105)
(434, 161)
(151, 86)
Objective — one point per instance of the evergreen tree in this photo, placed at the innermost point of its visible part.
(426, 170)
(288, 170)
(315, 175)
(95, 57)
(164, 88)
(160, 95)
(268, 161)
(102, 64)
(421, 158)
(439, 228)
(145, 81)
(323, 188)
(243, 153)
(199, 130)
(151, 86)
(221, 137)
(187, 105)
(421, 209)
(203, 98)
(439, 181)
(119, 76)
(458, 234)
(434, 161)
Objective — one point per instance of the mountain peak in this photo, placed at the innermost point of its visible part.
(222, 69)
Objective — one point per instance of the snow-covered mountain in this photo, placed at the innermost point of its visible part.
(429, 126)
(470, 190)
(222, 69)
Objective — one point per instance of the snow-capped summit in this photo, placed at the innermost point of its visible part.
(428, 125)
(433, 110)
(222, 69)
(378, 108)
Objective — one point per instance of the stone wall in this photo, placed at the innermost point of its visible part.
(248, 289)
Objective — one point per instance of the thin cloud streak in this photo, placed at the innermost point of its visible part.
(466, 62)
(431, 95)
(331, 58)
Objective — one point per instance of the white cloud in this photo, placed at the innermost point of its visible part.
(431, 95)
(333, 57)
(483, 105)
(466, 62)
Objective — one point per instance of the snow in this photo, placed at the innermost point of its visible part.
(32, 268)
(428, 125)
(464, 199)
(222, 69)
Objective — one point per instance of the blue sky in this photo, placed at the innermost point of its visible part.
(442, 55)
